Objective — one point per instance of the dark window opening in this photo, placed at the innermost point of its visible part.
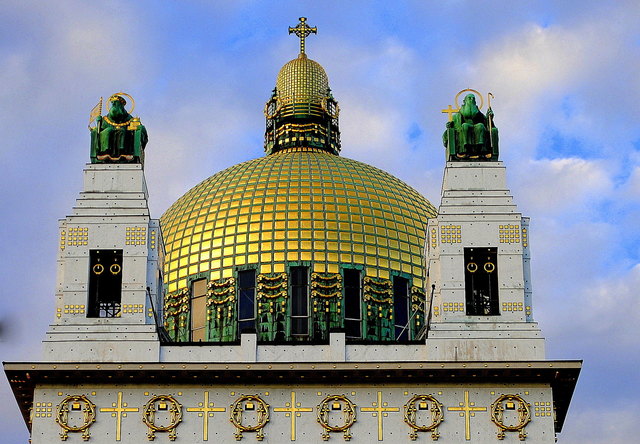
(352, 304)
(481, 281)
(198, 310)
(401, 308)
(299, 301)
(247, 301)
(105, 283)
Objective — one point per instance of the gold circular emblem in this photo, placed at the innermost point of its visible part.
(473, 91)
(251, 403)
(423, 402)
(162, 402)
(115, 269)
(71, 403)
(98, 268)
(336, 402)
(489, 267)
(472, 267)
(509, 402)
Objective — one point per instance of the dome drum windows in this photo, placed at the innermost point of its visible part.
(247, 301)
(198, 310)
(352, 303)
(297, 306)
(299, 318)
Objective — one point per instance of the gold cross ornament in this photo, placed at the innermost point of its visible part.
(451, 112)
(119, 410)
(206, 410)
(467, 410)
(380, 409)
(293, 410)
(303, 31)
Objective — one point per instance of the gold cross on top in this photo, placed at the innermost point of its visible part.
(303, 31)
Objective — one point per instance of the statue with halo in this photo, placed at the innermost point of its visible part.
(117, 137)
(470, 134)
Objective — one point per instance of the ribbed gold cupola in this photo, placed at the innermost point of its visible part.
(301, 112)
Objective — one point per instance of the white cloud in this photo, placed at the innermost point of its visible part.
(602, 424)
(563, 185)
(610, 309)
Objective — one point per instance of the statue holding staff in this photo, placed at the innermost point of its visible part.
(117, 137)
(470, 135)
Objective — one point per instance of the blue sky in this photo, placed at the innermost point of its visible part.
(566, 86)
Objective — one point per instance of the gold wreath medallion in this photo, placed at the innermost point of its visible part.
(162, 402)
(524, 415)
(336, 402)
(76, 402)
(249, 402)
(422, 402)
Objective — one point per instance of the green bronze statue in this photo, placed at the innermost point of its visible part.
(470, 135)
(117, 137)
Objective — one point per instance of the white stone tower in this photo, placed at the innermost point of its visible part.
(109, 281)
(478, 254)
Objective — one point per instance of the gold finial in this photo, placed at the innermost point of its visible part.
(303, 31)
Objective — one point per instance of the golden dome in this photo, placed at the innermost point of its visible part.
(296, 206)
(302, 80)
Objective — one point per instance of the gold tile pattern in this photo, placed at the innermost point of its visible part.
(75, 236)
(302, 80)
(296, 206)
(543, 408)
(509, 234)
(453, 306)
(73, 309)
(43, 409)
(450, 234)
(136, 236)
(512, 306)
(132, 308)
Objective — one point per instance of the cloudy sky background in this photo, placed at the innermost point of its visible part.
(566, 81)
